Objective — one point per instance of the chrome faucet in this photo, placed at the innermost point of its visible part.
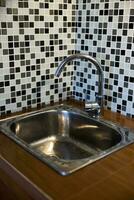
(93, 108)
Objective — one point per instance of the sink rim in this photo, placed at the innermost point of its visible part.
(65, 167)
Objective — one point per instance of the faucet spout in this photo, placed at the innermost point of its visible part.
(93, 61)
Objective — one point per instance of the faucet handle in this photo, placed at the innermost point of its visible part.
(93, 109)
(92, 105)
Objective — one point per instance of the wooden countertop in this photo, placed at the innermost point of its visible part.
(111, 178)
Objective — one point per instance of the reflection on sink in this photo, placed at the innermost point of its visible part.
(65, 137)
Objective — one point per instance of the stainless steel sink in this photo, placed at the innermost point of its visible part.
(66, 138)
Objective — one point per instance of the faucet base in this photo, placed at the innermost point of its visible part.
(93, 109)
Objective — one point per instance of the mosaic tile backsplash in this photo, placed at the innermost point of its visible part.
(105, 30)
(35, 35)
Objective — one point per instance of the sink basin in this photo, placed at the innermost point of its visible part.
(66, 138)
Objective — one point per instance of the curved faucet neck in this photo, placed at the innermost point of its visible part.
(93, 61)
